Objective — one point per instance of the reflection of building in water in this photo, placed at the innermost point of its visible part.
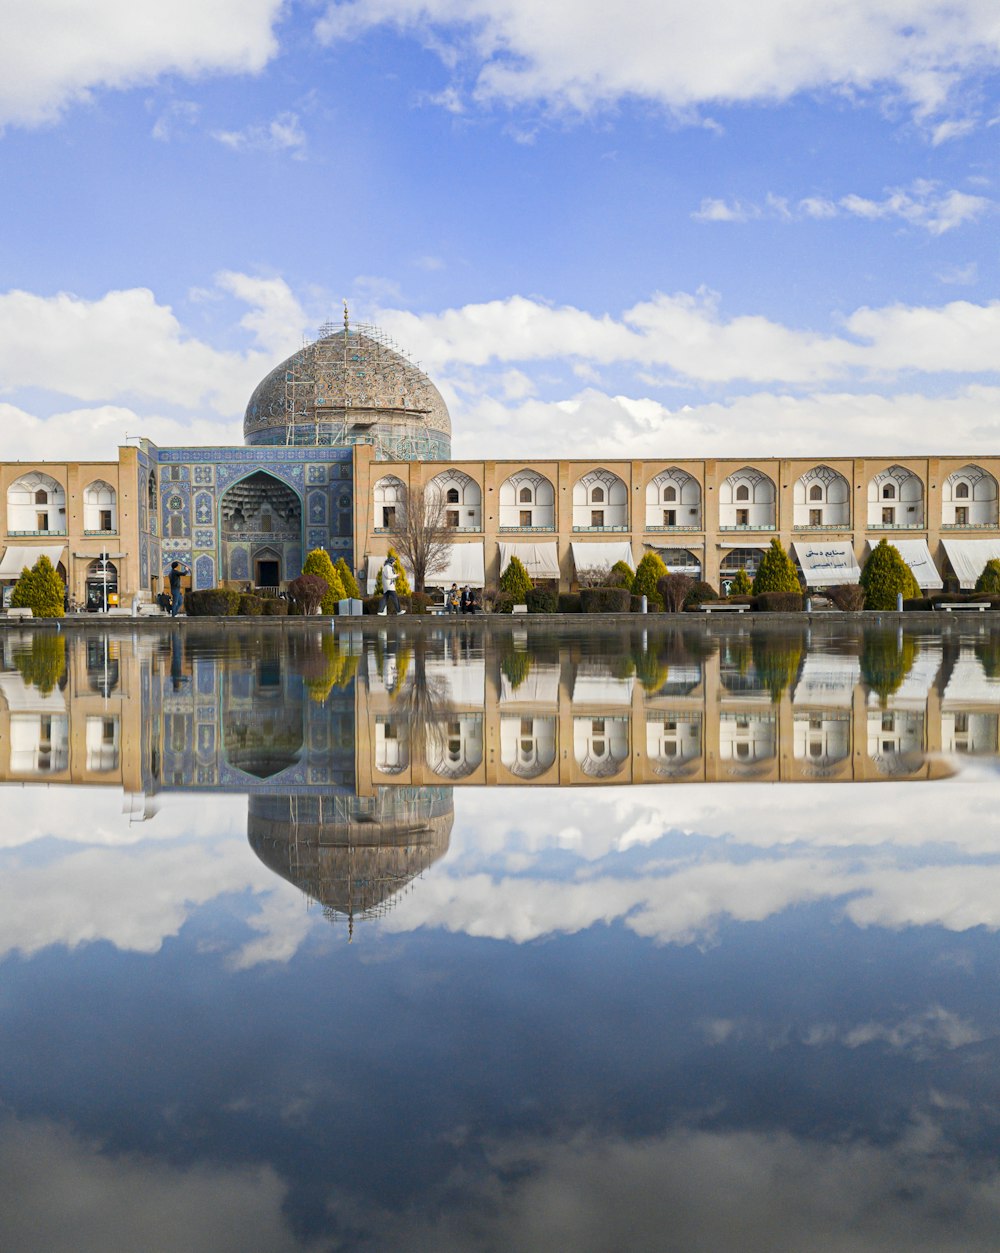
(747, 740)
(969, 732)
(353, 855)
(821, 740)
(527, 745)
(895, 740)
(600, 746)
(455, 745)
(673, 742)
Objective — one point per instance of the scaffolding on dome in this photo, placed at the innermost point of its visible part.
(337, 385)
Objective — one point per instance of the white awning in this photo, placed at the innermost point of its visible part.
(16, 557)
(463, 565)
(594, 556)
(540, 560)
(917, 556)
(968, 557)
(826, 563)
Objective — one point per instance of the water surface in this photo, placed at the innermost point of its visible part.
(666, 939)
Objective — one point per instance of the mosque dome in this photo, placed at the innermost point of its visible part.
(351, 385)
(354, 855)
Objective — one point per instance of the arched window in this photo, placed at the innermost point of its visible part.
(670, 493)
(152, 491)
(524, 496)
(597, 495)
(41, 497)
(816, 492)
(743, 492)
(452, 495)
(961, 491)
(889, 491)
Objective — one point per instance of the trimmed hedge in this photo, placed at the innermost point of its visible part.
(605, 600)
(250, 604)
(698, 594)
(635, 605)
(778, 602)
(419, 602)
(542, 600)
(273, 607)
(569, 602)
(212, 602)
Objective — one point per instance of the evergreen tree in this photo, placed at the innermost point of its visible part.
(988, 583)
(39, 589)
(741, 585)
(318, 563)
(516, 581)
(621, 575)
(776, 572)
(647, 575)
(347, 579)
(885, 575)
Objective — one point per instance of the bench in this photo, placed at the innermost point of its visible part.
(20, 613)
(713, 608)
(519, 608)
(981, 605)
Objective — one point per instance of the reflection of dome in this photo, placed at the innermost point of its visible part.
(351, 386)
(351, 854)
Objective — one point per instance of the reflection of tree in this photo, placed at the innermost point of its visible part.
(43, 665)
(776, 658)
(886, 659)
(515, 664)
(988, 652)
(326, 665)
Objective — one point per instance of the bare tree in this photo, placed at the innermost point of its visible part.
(420, 533)
(594, 576)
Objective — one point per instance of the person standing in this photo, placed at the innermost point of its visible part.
(177, 571)
(389, 576)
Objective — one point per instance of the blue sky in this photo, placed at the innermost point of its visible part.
(652, 232)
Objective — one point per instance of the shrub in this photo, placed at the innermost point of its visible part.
(569, 602)
(318, 563)
(605, 600)
(635, 604)
(499, 602)
(274, 607)
(39, 589)
(741, 585)
(778, 602)
(698, 594)
(542, 600)
(621, 575)
(251, 604)
(885, 575)
(776, 572)
(347, 579)
(370, 604)
(516, 582)
(988, 583)
(647, 579)
(917, 603)
(848, 597)
(211, 602)
(673, 589)
(419, 602)
(306, 593)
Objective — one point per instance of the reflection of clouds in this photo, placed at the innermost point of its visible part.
(702, 1192)
(62, 1194)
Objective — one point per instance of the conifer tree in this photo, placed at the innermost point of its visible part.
(347, 579)
(647, 575)
(516, 581)
(39, 589)
(318, 563)
(885, 575)
(776, 572)
(741, 585)
(988, 583)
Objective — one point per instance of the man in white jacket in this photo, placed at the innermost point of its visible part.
(389, 576)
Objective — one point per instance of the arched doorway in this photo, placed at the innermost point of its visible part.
(261, 531)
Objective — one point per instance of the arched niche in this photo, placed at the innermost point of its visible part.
(461, 497)
(527, 502)
(673, 499)
(747, 501)
(36, 505)
(821, 498)
(969, 498)
(600, 502)
(896, 500)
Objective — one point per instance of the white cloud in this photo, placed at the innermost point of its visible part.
(923, 204)
(276, 318)
(689, 334)
(58, 52)
(66, 1194)
(179, 115)
(582, 55)
(283, 133)
(93, 434)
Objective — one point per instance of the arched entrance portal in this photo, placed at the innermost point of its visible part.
(261, 531)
